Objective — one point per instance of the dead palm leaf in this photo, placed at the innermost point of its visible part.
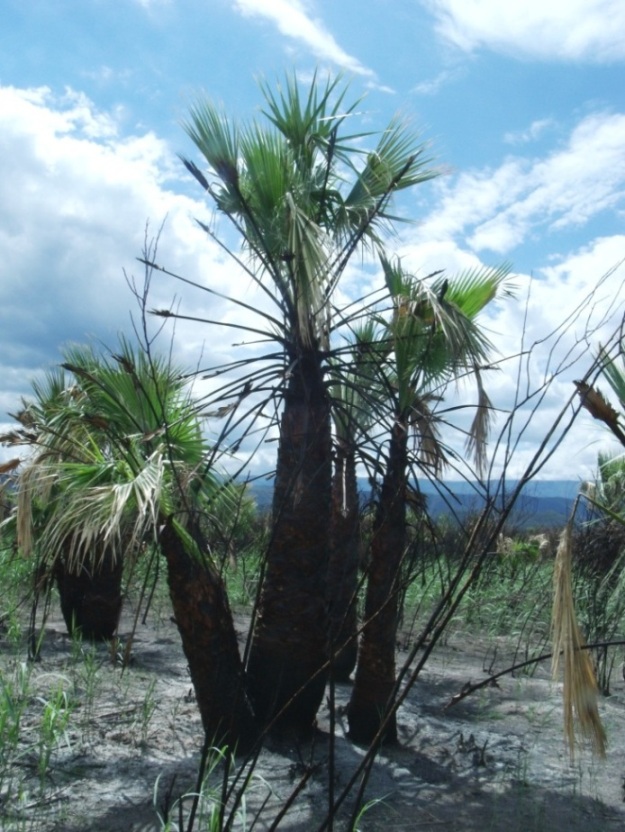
(580, 686)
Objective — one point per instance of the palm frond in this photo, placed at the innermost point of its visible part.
(309, 125)
(108, 517)
(285, 186)
(217, 139)
(580, 692)
(430, 448)
(398, 162)
(614, 374)
(113, 458)
(480, 426)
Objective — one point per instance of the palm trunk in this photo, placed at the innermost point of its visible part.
(91, 594)
(209, 641)
(343, 566)
(289, 647)
(375, 674)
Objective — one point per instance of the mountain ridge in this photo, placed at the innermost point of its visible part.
(541, 504)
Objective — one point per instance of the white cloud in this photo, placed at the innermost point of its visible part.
(559, 317)
(581, 302)
(105, 75)
(423, 258)
(433, 85)
(571, 30)
(536, 129)
(151, 4)
(498, 209)
(292, 20)
(74, 200)
(471, 199)
(75, 193)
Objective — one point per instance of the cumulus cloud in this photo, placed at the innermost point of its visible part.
(498, 208)
(544, 338)
(292, 20)
(561, 30)
(75, 193)
(75, 196)
(581, 302)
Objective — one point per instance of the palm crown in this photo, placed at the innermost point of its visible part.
(116, 451)
(302, 196)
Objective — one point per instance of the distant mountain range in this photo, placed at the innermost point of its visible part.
(542, 503)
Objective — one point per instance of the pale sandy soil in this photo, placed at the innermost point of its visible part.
(496, 761)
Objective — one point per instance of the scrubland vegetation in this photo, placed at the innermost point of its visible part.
(78, 693)
(129, 493)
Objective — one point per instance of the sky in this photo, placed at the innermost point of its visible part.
(522, 107)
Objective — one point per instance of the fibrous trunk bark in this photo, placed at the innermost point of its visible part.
(374, 683)
(90, 592)
(343, 567)
(209, 641)
(289, 647)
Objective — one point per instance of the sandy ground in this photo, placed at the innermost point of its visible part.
(130, 751)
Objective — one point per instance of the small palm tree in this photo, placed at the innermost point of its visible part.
(303, 197)
(432, 339)
(89, 587)
(141, 474)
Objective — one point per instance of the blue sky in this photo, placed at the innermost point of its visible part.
(523, 104)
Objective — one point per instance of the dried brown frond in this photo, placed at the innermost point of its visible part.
(600, 408)
(24, 417)
(580, 685)
(480, 427)
(422, 419)
(221, 411)
(96, 421)
(11, 465)
(14, 437)
(595, 403)
(416, 500)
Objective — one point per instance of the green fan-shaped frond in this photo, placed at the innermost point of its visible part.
(302, 193)
(137, 455)
(436, 339)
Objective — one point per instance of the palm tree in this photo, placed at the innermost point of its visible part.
(89, 588)
(303, 198)
(355, 401)
(432, 339)
(142, 475)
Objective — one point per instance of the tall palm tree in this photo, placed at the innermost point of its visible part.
(433, 339)
(142, 475)
(303, 197)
